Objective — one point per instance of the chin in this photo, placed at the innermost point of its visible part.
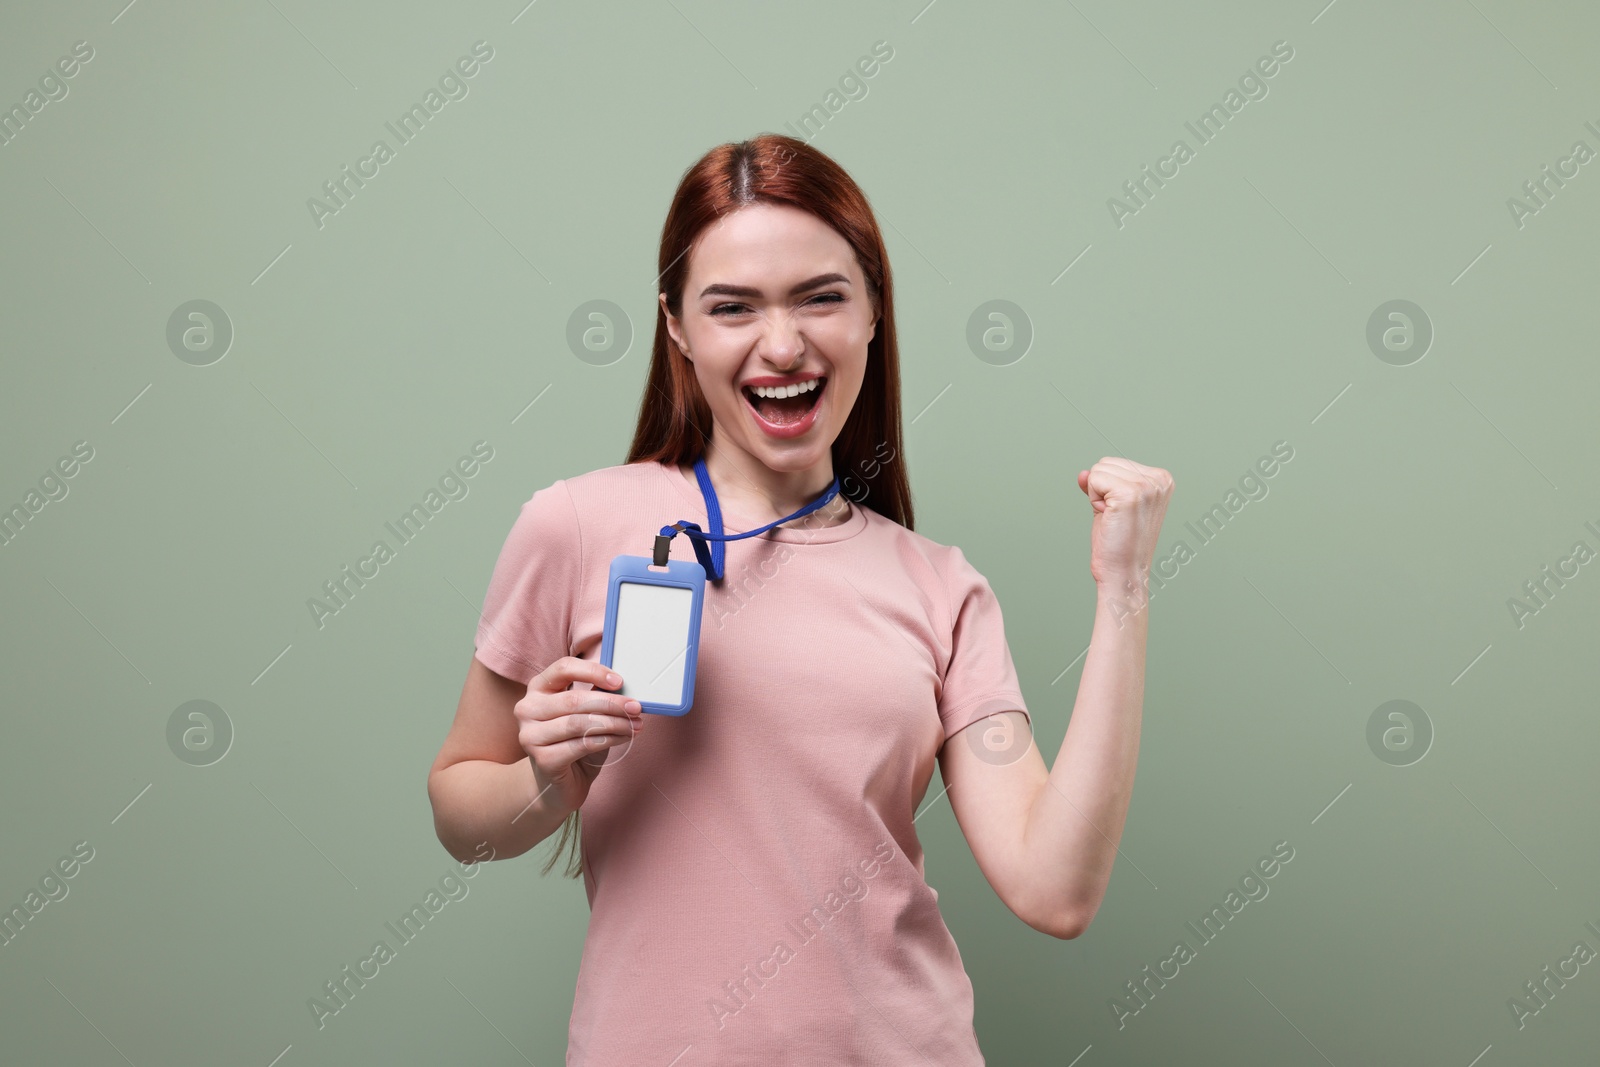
(789, 458)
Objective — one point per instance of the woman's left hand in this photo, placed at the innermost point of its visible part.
(1130, 502)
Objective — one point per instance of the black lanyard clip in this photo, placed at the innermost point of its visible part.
(663, 545)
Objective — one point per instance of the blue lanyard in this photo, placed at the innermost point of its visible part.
(711, 557)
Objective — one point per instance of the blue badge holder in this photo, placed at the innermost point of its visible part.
(652, 630)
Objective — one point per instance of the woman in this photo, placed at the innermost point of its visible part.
(754, 876)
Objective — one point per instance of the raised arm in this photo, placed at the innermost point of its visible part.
(1046, 840)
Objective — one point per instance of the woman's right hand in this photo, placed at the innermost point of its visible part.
(557, 727)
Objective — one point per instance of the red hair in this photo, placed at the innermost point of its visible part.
(674, 419)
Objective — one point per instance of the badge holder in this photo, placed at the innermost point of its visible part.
(652, 630)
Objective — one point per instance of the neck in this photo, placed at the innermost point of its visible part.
(751, 488)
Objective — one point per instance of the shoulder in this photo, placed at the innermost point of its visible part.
(906, 540)
(566, 521)
(601, 487)
(932, 563)
(561, 511)
(620, 476)
(610, 479)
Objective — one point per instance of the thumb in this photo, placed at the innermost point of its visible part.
(1096, 500)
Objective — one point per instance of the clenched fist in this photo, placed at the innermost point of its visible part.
(1130, 502)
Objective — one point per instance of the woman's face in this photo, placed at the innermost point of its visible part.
(775, 293)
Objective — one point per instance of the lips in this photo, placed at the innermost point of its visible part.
(789, 428)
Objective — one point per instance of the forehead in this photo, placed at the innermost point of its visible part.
(768, 245)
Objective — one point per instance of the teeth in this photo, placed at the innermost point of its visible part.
(777, 392)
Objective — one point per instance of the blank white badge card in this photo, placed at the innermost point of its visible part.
(652, 640)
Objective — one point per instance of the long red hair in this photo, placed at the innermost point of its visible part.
(674, 419)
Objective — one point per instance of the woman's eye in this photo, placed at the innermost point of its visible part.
(734, 309)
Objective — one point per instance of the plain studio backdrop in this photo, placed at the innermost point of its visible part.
(224, 384)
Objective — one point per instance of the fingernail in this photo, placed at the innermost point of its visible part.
(612, 679)
(632, 707)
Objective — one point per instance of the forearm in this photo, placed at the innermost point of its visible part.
(1076, 818)
(476, 801)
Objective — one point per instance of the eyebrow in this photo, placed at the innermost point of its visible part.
(720, 289)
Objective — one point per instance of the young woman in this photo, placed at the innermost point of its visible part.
(754, 876)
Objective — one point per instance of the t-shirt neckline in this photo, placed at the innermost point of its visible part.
(733, 522)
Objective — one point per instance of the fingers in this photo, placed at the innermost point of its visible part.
(1131, 471)
(575, 730)
(574, 701)
(553, 714)
(597, 731)
(1123, 485)
(552, 757)
(568, 669)
(1147, 483)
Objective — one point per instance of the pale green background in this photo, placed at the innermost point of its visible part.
(1227, 315)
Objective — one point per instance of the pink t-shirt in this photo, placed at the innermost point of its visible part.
(755, 882)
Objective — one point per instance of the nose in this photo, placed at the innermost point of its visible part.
(781, 343)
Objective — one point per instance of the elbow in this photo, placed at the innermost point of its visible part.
(1065, 928)
(1051, 914)
(1065, 924)
(443, 823)
(453, 828)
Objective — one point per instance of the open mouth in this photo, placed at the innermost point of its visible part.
(787, 412)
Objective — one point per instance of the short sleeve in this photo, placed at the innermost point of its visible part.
(980, 679)
(528, 608)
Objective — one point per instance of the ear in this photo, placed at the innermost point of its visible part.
(674, 327)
